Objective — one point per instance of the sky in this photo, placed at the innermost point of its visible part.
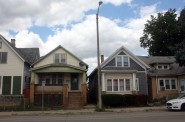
(72, 24)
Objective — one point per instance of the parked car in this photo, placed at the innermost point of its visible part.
(176, 104)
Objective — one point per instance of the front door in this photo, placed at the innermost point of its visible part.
(74, 81)
(182, 86)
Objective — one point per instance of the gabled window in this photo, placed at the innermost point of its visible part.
(122, 61)
(60, 58)
(3, 57)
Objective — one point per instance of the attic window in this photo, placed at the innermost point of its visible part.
(60, 58)
(122, 61)
(0, 44)
(162, 67)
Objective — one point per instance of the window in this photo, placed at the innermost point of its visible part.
(168, 84)
(109, 85)
(127, 84)
(121, 83)
(160, 67)
(3, 57)
(125, 61)
(60, 58)
(118, 85)
(115, 82)
(173, 84)
(0, 44)
(122, 61)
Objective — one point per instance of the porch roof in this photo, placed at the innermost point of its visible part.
(58, 68)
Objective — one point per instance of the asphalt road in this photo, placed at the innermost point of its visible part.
(161, 116)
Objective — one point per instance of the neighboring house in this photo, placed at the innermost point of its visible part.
(121, 73)
(14, 67)
(165, 76)
(64, 78)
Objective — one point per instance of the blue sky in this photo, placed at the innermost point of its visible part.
(72, 24)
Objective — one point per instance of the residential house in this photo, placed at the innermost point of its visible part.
(14, 67)
(165, 77)
(61, 77)
(121, 73)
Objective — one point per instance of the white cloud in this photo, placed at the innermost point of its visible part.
(17, 15)
(80, 39)
(28, 39)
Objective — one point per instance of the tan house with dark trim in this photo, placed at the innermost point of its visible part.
(165, 77)
(64, 76)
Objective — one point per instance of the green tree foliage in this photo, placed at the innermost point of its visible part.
(180, 49)
(159, 34)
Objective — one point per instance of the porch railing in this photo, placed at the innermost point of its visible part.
(48, 89)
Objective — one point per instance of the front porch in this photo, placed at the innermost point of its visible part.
(60, 88)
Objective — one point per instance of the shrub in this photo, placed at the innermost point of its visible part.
(117, 100)
(112, 100)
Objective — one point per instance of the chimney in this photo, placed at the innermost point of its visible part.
(13, 42)
(102, 58)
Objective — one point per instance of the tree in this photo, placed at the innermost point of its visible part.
(159, 34)
(180, 48)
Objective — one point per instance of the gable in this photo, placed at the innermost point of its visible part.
(133, 65)
(122, 59)
(50, 58)
(14, 64)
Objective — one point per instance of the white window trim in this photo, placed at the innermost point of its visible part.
(60, 57)
(122, 60)
(124, 80)
(164, 79)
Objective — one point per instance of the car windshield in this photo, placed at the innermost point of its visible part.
(182, 97)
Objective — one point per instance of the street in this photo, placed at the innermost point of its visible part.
(160, 116)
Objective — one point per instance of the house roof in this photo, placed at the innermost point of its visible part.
(28, 55)
(43, 57)
(175, 69)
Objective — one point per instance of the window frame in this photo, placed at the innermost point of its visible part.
(123, 62)
(163, 80)
(111, 81)
(2, 59)
(60, 58)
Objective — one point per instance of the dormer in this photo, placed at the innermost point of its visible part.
(162, 66)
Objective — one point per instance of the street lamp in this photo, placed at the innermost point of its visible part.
(98, 58)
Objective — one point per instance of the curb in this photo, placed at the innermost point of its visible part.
(81, 112)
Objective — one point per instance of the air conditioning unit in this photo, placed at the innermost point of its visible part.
(162, 88)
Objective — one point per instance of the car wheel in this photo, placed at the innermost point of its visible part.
(183, 107)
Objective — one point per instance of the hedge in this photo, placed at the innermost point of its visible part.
(117, 100)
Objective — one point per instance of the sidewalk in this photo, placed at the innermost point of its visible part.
(81, 111)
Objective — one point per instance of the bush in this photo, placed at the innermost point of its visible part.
(117, 100)
(112, 100)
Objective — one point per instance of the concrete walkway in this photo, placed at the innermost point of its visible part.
(81, 111)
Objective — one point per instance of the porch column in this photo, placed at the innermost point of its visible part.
(134, 82)
(65, 95)
(32, 88)
(103, 81)
(84, 77)
(84, 93)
